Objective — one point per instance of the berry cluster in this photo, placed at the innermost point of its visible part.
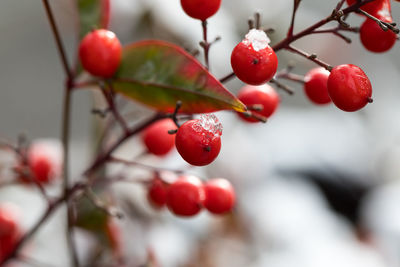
(10, 231)
(374, 36)
(347, 86)
(188, 195)
(198, 141)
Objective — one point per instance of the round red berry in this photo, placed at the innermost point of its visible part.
(157, 193)
(9, 216)
(157, 139)
(374, 38)
(219, 196)
(200, 9)
(261, 100)
(253, 60)
(316, 86)
(371, 7)
(185, 196)
(100, 53)
(199, 141)
(349, 87)
(44, 161)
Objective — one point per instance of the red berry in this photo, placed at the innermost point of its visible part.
(219, 196)
(100, 53)
(253, 60)
(349, 87)
(316, 86)
(264, 95)
(199, 141)
(9, 216)
(185, 196)
(374, 38)
(7, 244)
(44, 161)
(157, 139)
(157, 193)
(372, 7)
(200, 9)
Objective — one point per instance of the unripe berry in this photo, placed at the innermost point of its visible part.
(157, 139)
(264, 97)
(316, 86)
(199, 141)
(253, 60)
(157, 193)
(200, 9)
(374, 38)
(100, 53)
(185, 196)
(219, 196)
(349, 87)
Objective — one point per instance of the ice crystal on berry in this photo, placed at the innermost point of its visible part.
(209, 123)
(257, 38)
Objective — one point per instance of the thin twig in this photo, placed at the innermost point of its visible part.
(65, 126)
(141, 165)
(49, 211)
(296, 4)
(109, 97)
(282, 86)
(102, 158)
(311, 57)
(384, 25)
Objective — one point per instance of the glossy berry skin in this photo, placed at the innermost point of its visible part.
(185, 196)
(251, 66)
(157, 193)
(197, 145)
(100, 53)
(316, 86)
(349, 87)
(372, 7)
(219, 196)
(264, 95)
(157, 139)
(374, 38)
(200, 9)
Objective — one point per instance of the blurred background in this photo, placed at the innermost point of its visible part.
(316, 186)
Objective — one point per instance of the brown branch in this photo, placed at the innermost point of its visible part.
(384, 25)
(296, 4)
(109, 97)
(49, 211)
(312, 57)
(102, 158)
(65, 125)
(282, 86)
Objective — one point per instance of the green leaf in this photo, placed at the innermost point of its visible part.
(93, 14)
(89, 217)
(158, 74)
